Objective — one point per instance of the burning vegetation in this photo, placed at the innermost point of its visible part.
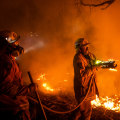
(112, 103)
(104, 108)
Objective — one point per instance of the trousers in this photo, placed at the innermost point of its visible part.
(84, 111)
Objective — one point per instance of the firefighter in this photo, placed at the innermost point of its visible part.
(85, 87)
(13, 106)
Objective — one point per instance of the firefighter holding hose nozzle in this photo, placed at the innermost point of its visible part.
(85, 87)
(13, 106)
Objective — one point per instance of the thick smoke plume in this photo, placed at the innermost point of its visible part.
(48, 30)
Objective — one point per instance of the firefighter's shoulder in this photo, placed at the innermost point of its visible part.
(6, 62)
(79, 58)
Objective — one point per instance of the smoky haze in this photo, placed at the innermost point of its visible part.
(48, 30)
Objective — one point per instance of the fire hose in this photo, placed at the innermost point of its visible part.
(69, 111)
(59, 112)
(104, 64)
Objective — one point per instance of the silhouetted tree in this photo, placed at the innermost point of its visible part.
(107, 3)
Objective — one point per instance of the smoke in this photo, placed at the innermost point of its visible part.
(48, 30)
(106, 43)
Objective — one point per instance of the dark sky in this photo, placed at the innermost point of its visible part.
(39, 15)
(18, 14)
(30, 14)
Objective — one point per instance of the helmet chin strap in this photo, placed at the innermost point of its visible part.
(15, 51)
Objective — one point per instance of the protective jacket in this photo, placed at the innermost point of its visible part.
(83, 74)
(10, 84)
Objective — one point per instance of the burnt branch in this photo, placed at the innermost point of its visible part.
(108, 3)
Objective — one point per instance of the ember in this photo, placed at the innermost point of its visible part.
(47, 87)
(42, 77)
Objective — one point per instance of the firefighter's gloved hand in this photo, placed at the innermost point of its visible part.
(97, 66)
(22, 103)
(94, 69)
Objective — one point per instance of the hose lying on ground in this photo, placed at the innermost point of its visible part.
(66, 112)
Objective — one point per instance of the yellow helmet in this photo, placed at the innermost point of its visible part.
(81, 42)
(9, 36)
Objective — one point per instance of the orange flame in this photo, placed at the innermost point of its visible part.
(113, 69)
(108, 103)
(42, 77)
(47, 87)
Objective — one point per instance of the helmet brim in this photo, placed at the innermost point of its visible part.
(84, 44)
(13, 41)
